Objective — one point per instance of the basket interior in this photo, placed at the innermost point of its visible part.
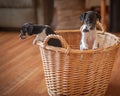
(73, 39)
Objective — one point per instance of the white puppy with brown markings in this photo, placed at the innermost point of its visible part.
(89, 39)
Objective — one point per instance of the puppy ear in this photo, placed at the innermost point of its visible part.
(82, 17)
(98, 16)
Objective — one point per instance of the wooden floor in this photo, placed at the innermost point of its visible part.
(21, 71)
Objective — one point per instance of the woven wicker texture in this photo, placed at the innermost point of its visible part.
(72, 72)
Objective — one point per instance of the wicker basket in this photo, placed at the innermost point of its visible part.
(72, 72)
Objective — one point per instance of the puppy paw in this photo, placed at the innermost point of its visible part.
(94, 48)
(85, 48)
(34, 42)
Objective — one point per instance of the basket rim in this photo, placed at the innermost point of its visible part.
(71, 50)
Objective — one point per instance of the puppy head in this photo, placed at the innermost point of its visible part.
(26, 28)
(90, 18)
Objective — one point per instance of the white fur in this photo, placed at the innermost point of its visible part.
(89, 39)
(40, 37)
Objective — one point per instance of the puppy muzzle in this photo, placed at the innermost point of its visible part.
(22, 36)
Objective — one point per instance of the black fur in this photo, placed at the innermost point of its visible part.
(54, 42)
(32, 29)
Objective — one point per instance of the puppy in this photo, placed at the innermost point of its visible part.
(89, 38)
(41, 31)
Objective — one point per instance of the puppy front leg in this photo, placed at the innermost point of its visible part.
(95, 44)
(84, 45)
(35, 41)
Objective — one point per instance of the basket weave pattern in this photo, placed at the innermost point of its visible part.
(71, 72)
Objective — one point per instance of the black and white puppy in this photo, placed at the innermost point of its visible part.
(41, 32)
(89, 38)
